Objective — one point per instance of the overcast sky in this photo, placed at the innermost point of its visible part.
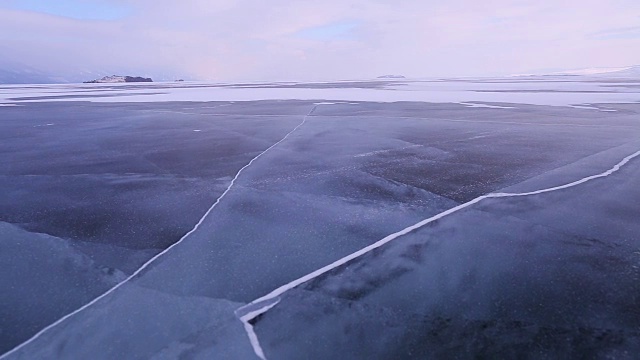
(230, 40)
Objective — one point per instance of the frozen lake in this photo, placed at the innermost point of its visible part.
(139, 221)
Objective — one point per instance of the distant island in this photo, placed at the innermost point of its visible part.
(119, 79)
(391, 77)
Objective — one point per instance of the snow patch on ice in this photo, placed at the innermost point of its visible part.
(478, 105)
(477, 93)
(589, 107)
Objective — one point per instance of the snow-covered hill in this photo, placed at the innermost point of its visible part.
(629, 71)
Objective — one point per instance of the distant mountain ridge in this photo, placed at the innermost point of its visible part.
(27, 76)
(119, 79)
(633, 71)
(613, 72)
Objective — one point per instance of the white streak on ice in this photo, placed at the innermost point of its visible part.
(588, 107)
(371, 153)
(208, 107)
(477, 105)
(149, 262)
(252, 310)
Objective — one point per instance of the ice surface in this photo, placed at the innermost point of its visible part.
(350, 175)
(471, 271)
(43, 278)
(139, 323)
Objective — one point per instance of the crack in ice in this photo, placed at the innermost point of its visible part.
(263, 304)
(150, 261)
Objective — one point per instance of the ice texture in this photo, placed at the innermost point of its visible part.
(550, 273)
(43, 277)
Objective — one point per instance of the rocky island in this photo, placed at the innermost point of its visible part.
(119, 79)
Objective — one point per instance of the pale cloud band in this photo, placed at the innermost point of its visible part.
(307, 40)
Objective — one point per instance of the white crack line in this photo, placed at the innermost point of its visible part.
(265, 303)
(149, 262)
(483, 105)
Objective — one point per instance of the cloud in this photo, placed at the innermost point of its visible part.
(77, 9)
(287, 39)
(341, 30)
(618, 33)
